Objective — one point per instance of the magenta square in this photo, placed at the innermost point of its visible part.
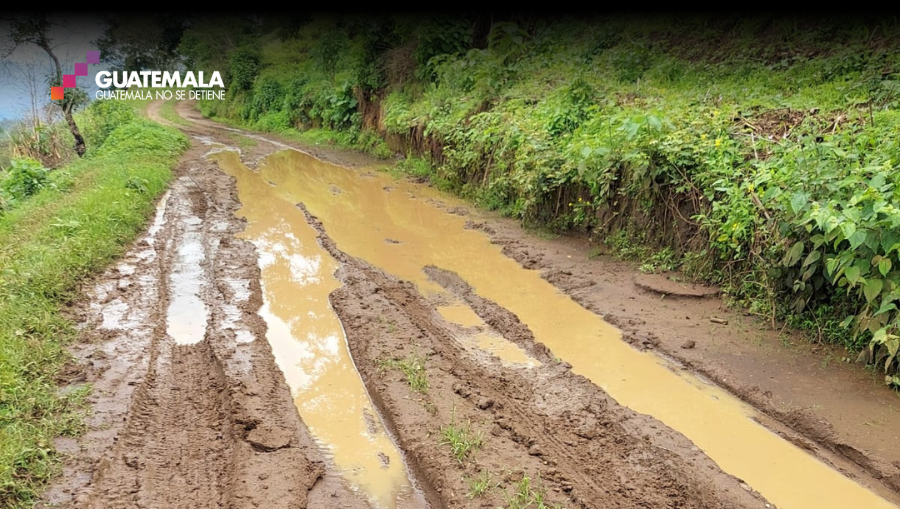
(93, 57)
(69, 81)
(80, 69)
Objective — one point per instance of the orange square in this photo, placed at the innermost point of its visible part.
(56, 93)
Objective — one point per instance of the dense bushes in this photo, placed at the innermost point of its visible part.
(23, 178)
(757, 154)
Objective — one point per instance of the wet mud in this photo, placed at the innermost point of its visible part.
(189, 409)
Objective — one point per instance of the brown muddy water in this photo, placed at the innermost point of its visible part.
(309, 343)
(402, 227)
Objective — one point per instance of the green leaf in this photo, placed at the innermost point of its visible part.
(888, 239)
(798, 201)
(793, 254)
(831, 265)
(856, 240)
(886, 306)
(893, 344)
(884, 266)
(848, 229)
(812, 258)
(852, 274)
(873, 288)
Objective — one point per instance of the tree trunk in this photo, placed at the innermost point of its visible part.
(80, 147)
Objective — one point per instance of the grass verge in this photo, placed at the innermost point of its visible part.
(49, 244)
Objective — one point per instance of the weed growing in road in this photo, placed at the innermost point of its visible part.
(413, 366)
(529, 495)
(480, 485)
(461, 438)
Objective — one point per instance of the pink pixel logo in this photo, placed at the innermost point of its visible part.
(70, 80)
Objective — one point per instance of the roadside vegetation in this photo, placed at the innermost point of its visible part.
(757, 153)
(57, 228)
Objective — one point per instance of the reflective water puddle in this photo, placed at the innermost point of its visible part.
(309, 345)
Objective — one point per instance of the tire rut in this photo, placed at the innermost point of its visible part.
(205, 425)
(544, 422)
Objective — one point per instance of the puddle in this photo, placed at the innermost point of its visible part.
(187, 314)
(159, 220)
(461, 314)
(309, 344)
(362, 215)
(114, 315)
(503, 348)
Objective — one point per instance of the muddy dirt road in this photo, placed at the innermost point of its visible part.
(290, 333)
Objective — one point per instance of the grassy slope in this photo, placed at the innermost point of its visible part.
(48, 245)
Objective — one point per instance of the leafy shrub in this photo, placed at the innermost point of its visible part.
(274, 121)
(244, 68)
(24, 178)
(101, 118)
(440, 36)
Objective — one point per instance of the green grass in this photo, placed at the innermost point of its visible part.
(529, 494)
(480, 485)
(462, 439)
(49, 244)
(412, 366)
(167, 111)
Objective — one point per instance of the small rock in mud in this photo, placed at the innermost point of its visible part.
(334, 189)
(689, 344)
(273, 184)
(392, 241)
(384, 459)
(387, 188)
(535, 450)
(131, 460)
(485, 403)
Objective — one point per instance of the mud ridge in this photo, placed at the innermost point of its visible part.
(545, 423)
